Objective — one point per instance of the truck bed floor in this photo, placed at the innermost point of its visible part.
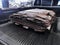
(15, 35)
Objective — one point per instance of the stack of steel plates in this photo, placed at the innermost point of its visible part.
(38, 19)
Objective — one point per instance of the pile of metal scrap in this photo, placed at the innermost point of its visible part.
(38, 19)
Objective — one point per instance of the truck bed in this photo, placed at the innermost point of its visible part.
(16, 35)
